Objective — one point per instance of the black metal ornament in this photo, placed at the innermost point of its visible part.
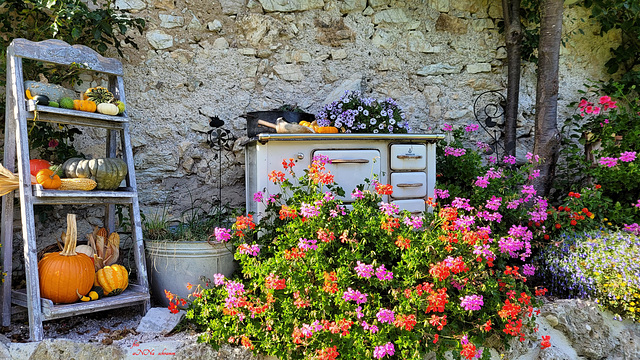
(219, 139)
(488, 109)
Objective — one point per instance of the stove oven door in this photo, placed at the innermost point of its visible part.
(350, 167)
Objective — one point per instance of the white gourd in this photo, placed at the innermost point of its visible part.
(108, 109)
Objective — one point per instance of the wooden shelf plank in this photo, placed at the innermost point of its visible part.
(59, 52)
(133, 295)
(74, 117)
(43, 196)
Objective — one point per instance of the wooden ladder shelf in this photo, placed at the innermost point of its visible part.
(16, 145)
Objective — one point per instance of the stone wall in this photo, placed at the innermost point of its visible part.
(200, 58)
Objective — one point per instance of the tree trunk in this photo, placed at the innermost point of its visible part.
(513, 39)
(547, 138)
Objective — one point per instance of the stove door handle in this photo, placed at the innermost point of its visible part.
(409, 156)
(410, 185)
(348, 161)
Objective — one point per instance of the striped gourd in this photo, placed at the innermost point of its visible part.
(77, 184)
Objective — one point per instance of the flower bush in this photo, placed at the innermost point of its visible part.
(609, 126)
(320, 281)
(354, 113)
(598, 265)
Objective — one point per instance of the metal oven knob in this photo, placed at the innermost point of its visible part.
(300, 156)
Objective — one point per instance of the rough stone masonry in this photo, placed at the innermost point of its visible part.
(200, 58)
(227, 57)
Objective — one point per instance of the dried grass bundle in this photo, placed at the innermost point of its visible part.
(8, 181)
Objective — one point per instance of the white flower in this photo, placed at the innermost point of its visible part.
(381, 126)
(372, 121)
(392, 121)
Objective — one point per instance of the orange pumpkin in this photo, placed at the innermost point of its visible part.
(326, 130)
(65, 274)
(48, 179)
(84, 105)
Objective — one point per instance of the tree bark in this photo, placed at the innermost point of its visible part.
(547, 137)
(513, 40)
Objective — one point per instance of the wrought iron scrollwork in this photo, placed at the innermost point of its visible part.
(488, 109)
(219, 139)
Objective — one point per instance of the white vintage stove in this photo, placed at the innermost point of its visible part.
(406, 161)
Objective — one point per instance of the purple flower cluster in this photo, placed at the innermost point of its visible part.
(309, 211)
(472, 302)
(519, 240)
(494, 203)
(489, 216)
(218, 279)
(608, 161)
(482, 182)
(355, 113)
(364, 270)
(471, 127)
(386, 316)
(509, 159)
(528, 269)
(627, 156)
(443, 194)
(382, 274)
(222, 234)
(389, 209)
(457, 152)
(252, 250)
(461, 203)
(372, 328)
(306, 245)
(414, 221)
(381, 351)
(354, 295)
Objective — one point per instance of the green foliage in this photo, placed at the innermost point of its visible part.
(623, 15)
(457, 173)
(599, 265)
(75, 22)
(194, 224)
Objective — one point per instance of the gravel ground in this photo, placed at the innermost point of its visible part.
(115, 326)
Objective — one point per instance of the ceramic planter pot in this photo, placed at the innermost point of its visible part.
(172, 265)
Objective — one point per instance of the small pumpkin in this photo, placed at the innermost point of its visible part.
(48, 179)
(65, 274)
(113, 279)
(84, 105)
(108, 109)
(107, 172)
(326, 130)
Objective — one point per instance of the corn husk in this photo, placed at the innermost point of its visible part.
(106, 248)
(8, 181)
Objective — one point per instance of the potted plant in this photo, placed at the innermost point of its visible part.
(354, 113)
(186, 251)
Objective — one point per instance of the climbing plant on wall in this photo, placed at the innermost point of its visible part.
(623, 15)
(99, 27)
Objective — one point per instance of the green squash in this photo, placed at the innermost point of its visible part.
(107, 172)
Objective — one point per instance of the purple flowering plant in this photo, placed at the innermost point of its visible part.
(355, 113)
(596, 265)
(370, 282)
